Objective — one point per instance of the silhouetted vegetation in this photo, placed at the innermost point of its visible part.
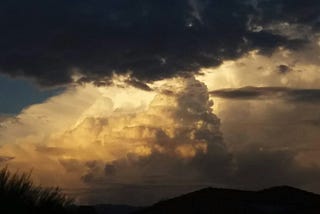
(18, 194)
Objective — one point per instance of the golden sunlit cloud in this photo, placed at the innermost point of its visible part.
(90, 133)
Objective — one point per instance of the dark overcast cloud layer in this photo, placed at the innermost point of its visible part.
(155, 39)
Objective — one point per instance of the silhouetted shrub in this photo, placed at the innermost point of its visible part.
(18, 194)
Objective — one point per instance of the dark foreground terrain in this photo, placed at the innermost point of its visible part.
(18, 194)
(276, 200)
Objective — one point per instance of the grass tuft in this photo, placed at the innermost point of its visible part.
(18, 194)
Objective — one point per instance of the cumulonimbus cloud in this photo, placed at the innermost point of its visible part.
(92, 137)
(99, 144)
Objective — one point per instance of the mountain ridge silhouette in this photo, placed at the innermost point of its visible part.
(274, 200)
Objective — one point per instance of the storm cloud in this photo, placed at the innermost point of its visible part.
(251, 119)
(50, 41)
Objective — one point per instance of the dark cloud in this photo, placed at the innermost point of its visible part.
(289, 94)
(248, 92)
(47, 40)
(138, 84)
(283, 69)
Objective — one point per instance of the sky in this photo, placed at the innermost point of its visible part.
(132, 102)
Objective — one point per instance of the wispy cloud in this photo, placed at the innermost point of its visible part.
(263, 93)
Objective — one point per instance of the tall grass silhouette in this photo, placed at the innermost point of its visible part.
(18, 194)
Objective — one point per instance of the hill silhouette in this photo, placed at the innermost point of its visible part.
(276, 200)
(18, 194)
